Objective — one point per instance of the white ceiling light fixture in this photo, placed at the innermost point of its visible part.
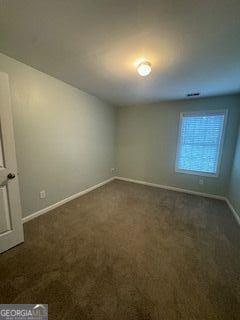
(144, 68)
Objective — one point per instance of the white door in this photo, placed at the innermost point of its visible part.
(11, 229)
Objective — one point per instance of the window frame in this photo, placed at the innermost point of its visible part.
(222, 139)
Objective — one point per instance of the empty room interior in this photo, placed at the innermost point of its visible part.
(120, 159)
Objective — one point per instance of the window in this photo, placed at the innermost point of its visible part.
(200, 142)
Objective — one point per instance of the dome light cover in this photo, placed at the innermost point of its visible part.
(144, 68)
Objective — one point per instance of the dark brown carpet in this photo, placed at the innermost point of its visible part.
(126, 251)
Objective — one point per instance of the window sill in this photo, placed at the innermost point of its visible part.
(198, 173)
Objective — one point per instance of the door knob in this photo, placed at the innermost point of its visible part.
(11, 176)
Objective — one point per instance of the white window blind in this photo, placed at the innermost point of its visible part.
(200, 142)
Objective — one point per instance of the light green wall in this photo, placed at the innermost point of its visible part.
(64, 137)
(147, 141)
(234, 186)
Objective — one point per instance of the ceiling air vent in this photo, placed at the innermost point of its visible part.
(193, 94)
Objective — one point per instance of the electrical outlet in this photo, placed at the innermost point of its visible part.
(200, 181)
(112, 170)
(42, 194)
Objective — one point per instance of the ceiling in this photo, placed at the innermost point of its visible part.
(193, 45)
